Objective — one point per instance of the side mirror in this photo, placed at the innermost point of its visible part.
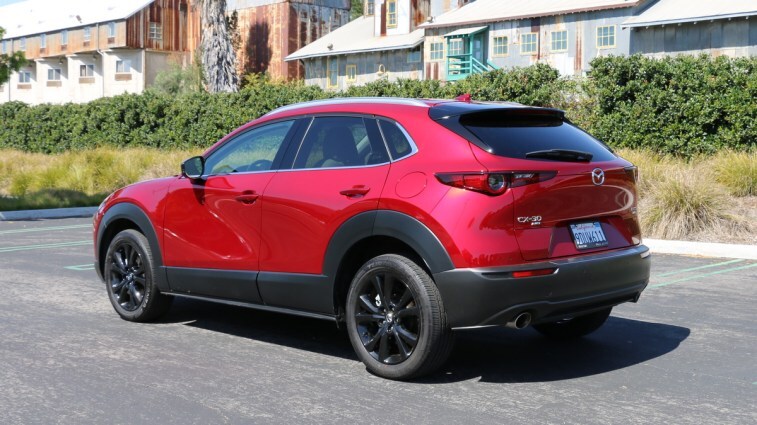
(193, 168)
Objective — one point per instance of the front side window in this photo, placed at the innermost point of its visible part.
(436, 51)
(123, 66)
(606, 37)
(24, 77)
(253, 150)
(528, 43)
(335, 142)
(391, 13)
(42, 41)
(156, 31)
(53, 74)
(87, 70)
(499, 46)
(64, 38)
(559, 41)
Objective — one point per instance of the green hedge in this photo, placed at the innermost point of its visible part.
(682, 106)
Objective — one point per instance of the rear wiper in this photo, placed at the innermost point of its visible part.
(561, 155)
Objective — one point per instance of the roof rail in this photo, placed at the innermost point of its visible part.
(348, 100)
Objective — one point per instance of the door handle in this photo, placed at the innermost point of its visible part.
(356, 191)
(247, 197)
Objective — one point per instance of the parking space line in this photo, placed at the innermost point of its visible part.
(45, 246)
(81, 267)
(44, 229)
(684, 279)
(698, 268)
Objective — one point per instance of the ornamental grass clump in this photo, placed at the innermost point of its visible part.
(736, 171)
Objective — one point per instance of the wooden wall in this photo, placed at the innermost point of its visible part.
(180, 26)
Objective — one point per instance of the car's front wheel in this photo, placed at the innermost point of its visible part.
(129, 276)
(575, 327)
(396, 319)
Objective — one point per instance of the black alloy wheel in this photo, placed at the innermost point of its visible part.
(396, 320)
(129, 269)
(127, 276)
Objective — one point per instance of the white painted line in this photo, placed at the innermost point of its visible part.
(702, 249)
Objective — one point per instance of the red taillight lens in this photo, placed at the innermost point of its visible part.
(532, 273)
(493, 183)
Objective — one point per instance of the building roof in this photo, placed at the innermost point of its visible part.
(356, 37)
(680, 11)
(484, 11)
(42, 16)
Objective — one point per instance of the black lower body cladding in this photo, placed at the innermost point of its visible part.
(492, 296)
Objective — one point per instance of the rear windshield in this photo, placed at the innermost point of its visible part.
(516, 135)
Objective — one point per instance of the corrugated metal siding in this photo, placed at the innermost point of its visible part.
(271, 32)
(734, 38)
(172, 15)
(394, 64)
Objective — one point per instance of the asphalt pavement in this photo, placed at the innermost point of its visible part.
(685, 354)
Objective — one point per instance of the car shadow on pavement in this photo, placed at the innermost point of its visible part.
(510, 356)
(496, 354)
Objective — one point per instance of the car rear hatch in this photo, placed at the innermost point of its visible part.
(572, 195)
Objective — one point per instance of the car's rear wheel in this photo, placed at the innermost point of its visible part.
(576, 327)
(396, 320)
(129, 275)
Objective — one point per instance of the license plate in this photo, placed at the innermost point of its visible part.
(588, 235)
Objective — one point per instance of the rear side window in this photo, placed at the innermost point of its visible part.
(334, 142)
(396, 140)
(516, 135)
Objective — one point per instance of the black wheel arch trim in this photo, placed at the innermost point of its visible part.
(133, 213)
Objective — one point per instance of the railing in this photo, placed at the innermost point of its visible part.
(463, 65)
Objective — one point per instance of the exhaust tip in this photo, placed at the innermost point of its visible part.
(520, 321)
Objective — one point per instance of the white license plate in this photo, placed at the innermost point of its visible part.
(588, 235)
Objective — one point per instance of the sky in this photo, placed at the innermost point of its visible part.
(7, 2)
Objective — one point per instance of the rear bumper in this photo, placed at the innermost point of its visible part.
(491, 296)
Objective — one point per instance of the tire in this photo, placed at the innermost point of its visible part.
(129, 271)
(575, 327)
(395, 319)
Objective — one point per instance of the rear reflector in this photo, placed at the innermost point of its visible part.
(532, 273)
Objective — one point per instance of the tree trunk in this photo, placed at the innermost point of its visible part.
(218, 56)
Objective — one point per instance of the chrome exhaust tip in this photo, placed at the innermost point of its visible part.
(520, 321)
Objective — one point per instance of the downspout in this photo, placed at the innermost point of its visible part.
(102, 60)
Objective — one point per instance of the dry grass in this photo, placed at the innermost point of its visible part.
(78, 178)
(737, 171)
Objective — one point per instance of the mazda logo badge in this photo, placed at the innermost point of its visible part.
(597, 176)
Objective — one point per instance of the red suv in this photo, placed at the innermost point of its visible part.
(404, 219)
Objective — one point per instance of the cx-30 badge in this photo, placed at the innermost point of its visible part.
(597, 176)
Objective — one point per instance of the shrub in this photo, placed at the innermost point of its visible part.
(737, 171)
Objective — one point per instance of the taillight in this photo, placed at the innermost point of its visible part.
(633, 173)
(493, 184)
(532, 273)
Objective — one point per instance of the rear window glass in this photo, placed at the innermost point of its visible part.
(515, 135)
(398, 144)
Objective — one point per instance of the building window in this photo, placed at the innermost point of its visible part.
(111, 29)
(53, 74)
(42, 41)
(5, 46)
(559, 41)
(87, 70)
(437, 51)
(500, 46)
(333, 77)
(156, 31)
(455, 47)
(528, 43)
(24, 77)
(123, 66)
(414, 55)
(87, 33)
(606, 37)
(351, 73)
(370, 7)
(391, 13)
(22, 44)
(64, 38)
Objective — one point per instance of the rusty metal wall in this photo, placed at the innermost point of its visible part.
(173, 15)
(371, 66)
(271, 32)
